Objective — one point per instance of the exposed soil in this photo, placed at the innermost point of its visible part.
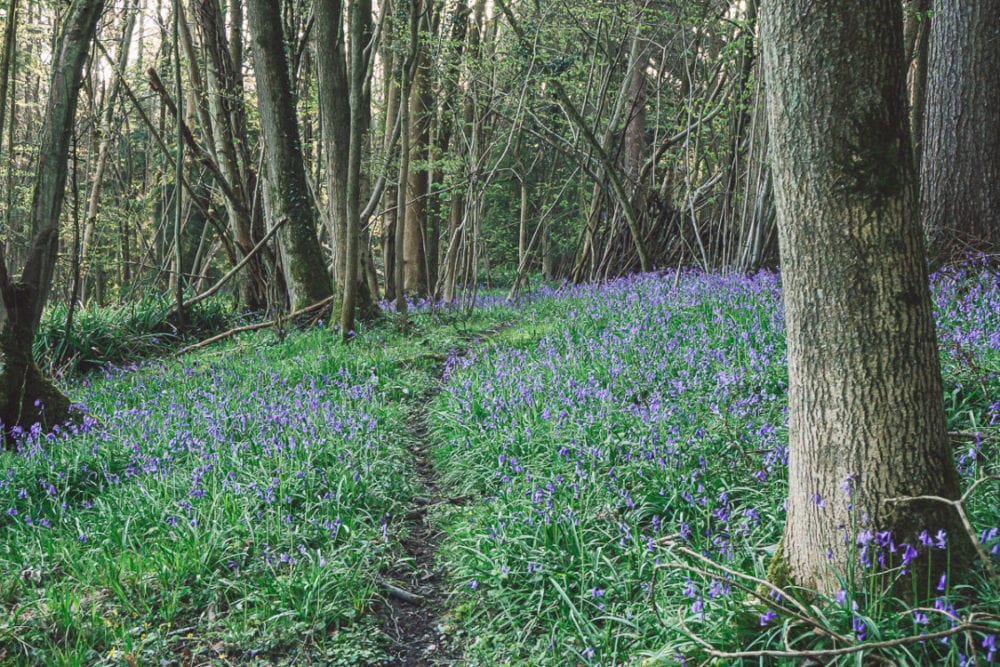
(414, 589)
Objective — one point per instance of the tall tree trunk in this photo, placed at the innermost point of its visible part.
(6, 59)
(960, 165)
(917, 41)
(402, 201)
(391, 194)
(343, 125)
(335, 120)
(306, 277)
(360, 17)
(865, 393)
(178, 276)
(415, 228)
(26, 396)
(226, 112)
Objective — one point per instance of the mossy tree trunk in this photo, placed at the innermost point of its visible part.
(866, 410)
(26, 396)
(288, 197)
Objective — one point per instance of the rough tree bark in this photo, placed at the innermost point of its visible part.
(307, 279)
(335, 117)
(26, 396)
(960, 166)
(865, 391)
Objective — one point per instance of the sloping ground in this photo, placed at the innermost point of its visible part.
(636, 446)
(300, 502)
(239, 507)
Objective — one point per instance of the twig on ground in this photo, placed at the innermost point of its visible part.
(254, 327)
(959, 506)
(402, 594)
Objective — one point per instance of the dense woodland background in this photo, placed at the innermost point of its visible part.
(572, 139)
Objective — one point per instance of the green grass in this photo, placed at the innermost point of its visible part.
(640, 426)
(123, 333)
(237, 506)
(230, 508)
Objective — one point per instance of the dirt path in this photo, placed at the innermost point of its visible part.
(415, 588)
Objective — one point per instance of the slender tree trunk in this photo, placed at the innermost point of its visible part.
(6, 59)
(360, 31)
(865, 394)
(107, 135)
(178, 277)
(415, 227)
(26, 396)
(391, 194)
(402, 201)
(458, 218)
(307, 279)
(917, 35)
(960, 165)
(522, 226)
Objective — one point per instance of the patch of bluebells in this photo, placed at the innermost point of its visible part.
(637, 418)
(967, 309)
(292, 463)
(645, 414)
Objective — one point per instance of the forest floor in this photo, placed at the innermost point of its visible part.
(595, 485)
(416, 587)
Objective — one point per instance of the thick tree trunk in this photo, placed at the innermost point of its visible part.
(865, 391)
(288, 197)
(960, 166)
(27, 397)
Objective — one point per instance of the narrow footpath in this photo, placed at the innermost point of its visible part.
(415, 588)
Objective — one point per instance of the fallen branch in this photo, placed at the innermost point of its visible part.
(763, 583)
(255, 327)
(397, 592)
(965, 626)
(959, 506)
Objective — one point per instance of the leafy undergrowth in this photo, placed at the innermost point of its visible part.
(230, 508)
(636, 443)
(124, 333)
